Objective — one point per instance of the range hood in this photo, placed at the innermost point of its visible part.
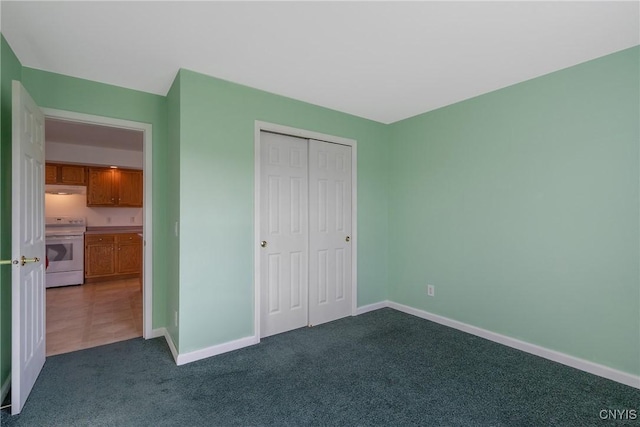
(65, 189)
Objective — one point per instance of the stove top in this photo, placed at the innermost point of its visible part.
(62, 221)
(64, 225)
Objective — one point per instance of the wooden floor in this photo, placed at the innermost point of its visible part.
(93, 314)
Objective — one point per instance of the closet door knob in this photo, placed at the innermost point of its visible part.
(263, 243)
(347, 239)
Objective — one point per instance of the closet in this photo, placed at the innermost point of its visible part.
(305, 232)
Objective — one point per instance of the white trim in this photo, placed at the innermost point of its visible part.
(307, 134)
(4, 390)
(146, 128)
(556, 356)
(372, 307)
(157, 333)
(215, 350)
(301, 133)
(354, 229)
(170, 343)
(256, 229)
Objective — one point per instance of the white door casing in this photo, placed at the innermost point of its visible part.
(27, 287)
(329, 231)
(284, 233)
(147, 130)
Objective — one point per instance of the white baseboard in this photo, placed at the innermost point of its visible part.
(556, 356)
(372, 307)
(193, 356)
(157, 333)
(4, 390)
(167, 336)
(214, 350)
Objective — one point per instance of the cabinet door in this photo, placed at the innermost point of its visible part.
(129, 254)
(50, 174)
(130, 188)
(100, 256)
(73, 175)
(100, 189)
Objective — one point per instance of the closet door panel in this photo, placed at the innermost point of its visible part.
(329, 231)
(285, 232)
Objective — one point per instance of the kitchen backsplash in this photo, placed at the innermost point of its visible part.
(76, 205)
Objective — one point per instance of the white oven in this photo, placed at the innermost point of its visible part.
(64, 240)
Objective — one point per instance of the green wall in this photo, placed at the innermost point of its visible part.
(11, 70)
(217, 193)
(521, 207)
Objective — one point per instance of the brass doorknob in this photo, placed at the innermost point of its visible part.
(263, 243)
(347, 239)
(25, 260)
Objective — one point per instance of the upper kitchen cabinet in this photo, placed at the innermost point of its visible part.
(114, 187)
(65, 174)
(130, 188)
(101, 190)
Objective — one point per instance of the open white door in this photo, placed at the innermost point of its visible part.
(28, 247)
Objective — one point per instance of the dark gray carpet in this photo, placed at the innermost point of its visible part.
(381, 368)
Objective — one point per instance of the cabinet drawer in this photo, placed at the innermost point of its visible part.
(99, 238)
(127, 238)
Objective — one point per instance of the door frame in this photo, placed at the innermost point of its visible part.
(307, 134)
(147, 230)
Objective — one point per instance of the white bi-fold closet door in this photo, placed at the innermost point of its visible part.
(305, 228)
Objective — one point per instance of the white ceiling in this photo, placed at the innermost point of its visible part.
(385, 61)
(67, 132)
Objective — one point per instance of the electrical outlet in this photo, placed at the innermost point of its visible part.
(431, 290)
(175, 228)
(108, 220)
(175, 318)
(133, 220)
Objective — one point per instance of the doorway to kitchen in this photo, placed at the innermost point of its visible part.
(98, 170)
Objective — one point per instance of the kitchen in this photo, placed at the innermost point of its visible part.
(93, 227)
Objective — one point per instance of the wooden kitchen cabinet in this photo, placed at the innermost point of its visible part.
(130, 188)
(114, 187)
(129, 253)
(100, 191)
(112, 256)
(50, 174)
(65, 174)
(99, 256)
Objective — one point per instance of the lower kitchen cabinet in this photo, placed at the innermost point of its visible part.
(129, 256)
(99, 255)
(112, 256)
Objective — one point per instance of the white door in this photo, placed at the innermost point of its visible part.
(329, 232)
(284, 233)
(28, 247)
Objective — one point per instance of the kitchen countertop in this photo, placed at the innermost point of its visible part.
(114, 229)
